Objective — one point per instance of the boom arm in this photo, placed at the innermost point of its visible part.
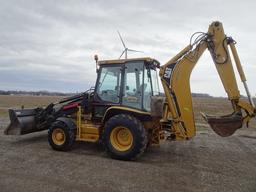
(178, 114)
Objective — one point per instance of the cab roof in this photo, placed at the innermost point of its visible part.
(122, 61)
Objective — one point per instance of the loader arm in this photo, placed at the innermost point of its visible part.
(178, 116)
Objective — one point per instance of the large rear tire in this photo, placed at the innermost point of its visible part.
(61, 136)
(124, 137)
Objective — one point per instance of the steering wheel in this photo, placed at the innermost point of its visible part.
(109, 92)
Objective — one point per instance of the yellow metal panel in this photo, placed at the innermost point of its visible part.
(86, 130)
(128, 109)
(179, 94)
(181, 87)
(122, 61)
(238, 63)
(89, 128)
(88, 137)
(225, 69)
(125, 109)
(247, 107)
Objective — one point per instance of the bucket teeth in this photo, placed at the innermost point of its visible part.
(225, 125)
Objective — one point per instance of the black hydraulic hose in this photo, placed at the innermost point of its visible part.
(71, 98)
(75, 97)
(226, 52)
(229, 40)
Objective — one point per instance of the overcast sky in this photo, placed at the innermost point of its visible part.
(49, 45)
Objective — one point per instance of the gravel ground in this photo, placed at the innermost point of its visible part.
(205, 163)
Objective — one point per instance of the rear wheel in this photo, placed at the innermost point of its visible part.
(124, 137)
(61, 137)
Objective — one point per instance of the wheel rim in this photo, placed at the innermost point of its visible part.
(58, 136)
(121, 138)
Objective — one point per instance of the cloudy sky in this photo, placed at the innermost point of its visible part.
(49, 45)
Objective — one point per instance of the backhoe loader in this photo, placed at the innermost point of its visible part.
(125, 111)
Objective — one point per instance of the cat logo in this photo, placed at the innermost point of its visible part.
(168, 72)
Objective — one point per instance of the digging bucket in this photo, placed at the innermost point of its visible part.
(224, 125)
(22, 121)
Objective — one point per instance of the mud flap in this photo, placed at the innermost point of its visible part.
(225, 125)
(22, 121)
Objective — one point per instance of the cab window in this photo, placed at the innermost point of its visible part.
(109, 84)
(133, 85)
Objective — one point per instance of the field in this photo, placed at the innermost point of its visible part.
(205, 163)
(212, 106)
(16, 101)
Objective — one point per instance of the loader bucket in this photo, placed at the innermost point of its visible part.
(22, 121)
(224, 125)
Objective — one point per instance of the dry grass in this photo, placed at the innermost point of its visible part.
(16, 101)
(211, 106)
(214, 106)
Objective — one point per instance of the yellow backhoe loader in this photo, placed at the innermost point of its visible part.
(125, 110)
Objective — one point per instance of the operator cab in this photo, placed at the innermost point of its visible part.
(127, 82)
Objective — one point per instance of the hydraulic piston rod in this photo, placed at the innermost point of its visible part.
(241, 72)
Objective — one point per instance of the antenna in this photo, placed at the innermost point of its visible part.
(126, 49)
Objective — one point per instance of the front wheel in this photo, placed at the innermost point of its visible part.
(124, 137)
(61, 136)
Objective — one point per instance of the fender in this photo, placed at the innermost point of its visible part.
(114, 110)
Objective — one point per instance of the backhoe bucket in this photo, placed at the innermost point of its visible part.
(224, 125)
(22, 121)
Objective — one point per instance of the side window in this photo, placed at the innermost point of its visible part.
(109, 84)
(155, 84)
(147, 89)
(133, 85)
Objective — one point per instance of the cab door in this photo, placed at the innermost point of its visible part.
(108, 89)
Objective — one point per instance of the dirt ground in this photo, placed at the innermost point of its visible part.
(205, 163)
